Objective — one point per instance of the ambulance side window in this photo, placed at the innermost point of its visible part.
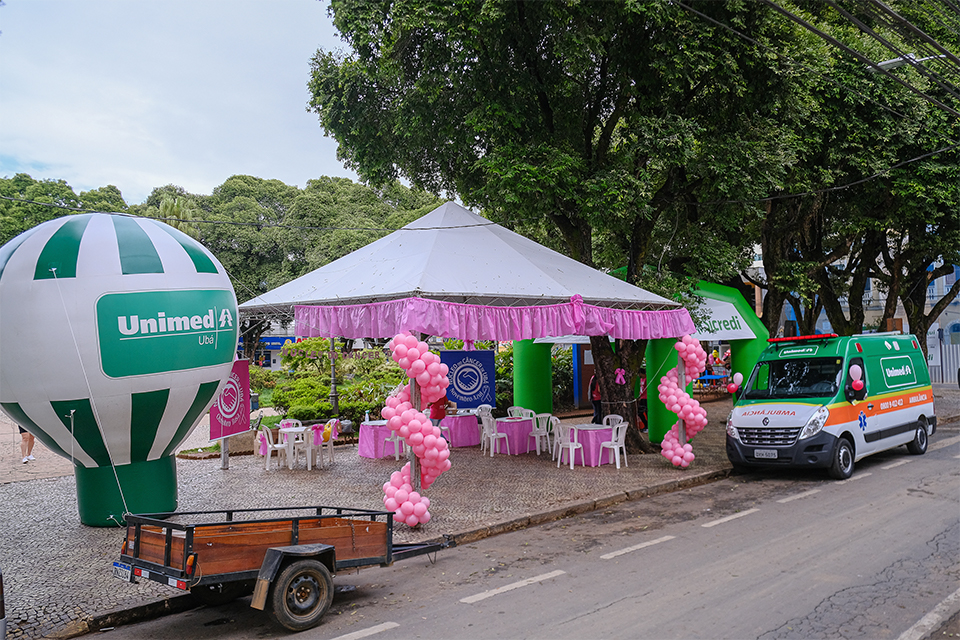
(759, 381)
(848, 390)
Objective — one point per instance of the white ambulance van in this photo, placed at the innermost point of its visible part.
(827, 401)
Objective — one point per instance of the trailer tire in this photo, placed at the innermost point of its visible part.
(221, 593)
(918, 446)
(842, 466)
(301, 594)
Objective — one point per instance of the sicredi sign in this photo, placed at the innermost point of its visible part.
(159, 331)
(722, 322)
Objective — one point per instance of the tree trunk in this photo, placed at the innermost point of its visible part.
(618, 398)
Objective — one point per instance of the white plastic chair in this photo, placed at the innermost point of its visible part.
(297, 442)
(612, 420)
(399, 444)
(615, 445)
(541, 431)
(491, 436)
(280, 448)
(515, 411)
(555, 432)
(527, 413)
(317, 449)
(570, 444)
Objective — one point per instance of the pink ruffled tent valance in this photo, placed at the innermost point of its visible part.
(477, 322)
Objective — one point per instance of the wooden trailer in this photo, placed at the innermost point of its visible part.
(285, 556)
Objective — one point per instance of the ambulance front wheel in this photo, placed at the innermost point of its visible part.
(919, 444)
(842, 467)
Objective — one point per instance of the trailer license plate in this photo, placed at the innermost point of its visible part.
(766, 454)
(121, 571)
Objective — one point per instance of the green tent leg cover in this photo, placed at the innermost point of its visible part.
(148, 487)
(533, 376)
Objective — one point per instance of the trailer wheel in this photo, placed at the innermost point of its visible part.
(222, 593)
(918, 445)
(301, 594)
(842, 467)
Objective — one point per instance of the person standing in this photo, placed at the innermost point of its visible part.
(594, 388)
(26, 445)
(438, 410)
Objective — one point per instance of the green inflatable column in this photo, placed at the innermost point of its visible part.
(532, 376)
(661, 357)
(149, 487)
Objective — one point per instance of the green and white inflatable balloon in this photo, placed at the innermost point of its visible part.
(116, 334)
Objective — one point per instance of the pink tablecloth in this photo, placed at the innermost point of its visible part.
(518, 434)
(463, 431)
(372, 440)
(590, 440)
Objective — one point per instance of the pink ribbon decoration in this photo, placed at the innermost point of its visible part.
(263, 445)
(317, 435)
(620, 379)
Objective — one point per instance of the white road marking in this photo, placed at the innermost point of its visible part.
(896, 464)
(798, 496)
(956, 457)
(856, 477)
(944, 443)
(649, 543)
(363, 633)
(932, 620)
(729, 518)
(511, 587)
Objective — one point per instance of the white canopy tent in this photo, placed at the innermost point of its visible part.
(453, 273)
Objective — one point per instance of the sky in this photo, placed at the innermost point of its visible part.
(141, 94)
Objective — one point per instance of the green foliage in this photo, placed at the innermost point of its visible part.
(308, 355)
(261, 379)
(503, 364)
(300, 392)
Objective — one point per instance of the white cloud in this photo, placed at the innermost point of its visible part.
(144, 94)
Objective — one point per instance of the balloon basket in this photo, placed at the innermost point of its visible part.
(148, 487)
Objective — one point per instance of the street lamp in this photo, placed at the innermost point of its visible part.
(893, 63)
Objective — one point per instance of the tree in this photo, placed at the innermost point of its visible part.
(17, 217)
(601, 124)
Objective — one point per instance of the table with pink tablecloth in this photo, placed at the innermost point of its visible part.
(518, 434)
(462, 431)
(373, 435)
(590, 436)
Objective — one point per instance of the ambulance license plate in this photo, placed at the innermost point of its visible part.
(765, 454)
(121, 571)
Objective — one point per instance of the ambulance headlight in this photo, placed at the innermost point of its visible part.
(731, 429)
(815, 423)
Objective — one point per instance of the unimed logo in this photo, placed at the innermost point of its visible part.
(898, 371)
(159, 331)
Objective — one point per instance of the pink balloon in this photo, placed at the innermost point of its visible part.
(412, 520)
(417, 367)
(443, 455)
(430, 454)
(732, 387)
(410, 341)
(404, 432)
(401, 496)
(419, 509)
(684, 463)
(419, 450)
(404, 363)
(857, 385)
(423, 379)
(444, 383)
(395, 422)
(400, 350)
(738, 378)
(425, 501)
(396, 477)
(444, 369)
(406, 508)
(434, 368)
(430, 441)
(390, 490)
(414, 497)
(413, 355)
(415, 439)
(856, 372)
(390, 504)
(414, 426)
(446, 465)
(676, 460)
(688, 457)
(423, 347)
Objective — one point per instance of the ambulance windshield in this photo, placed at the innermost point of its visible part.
(795, 378)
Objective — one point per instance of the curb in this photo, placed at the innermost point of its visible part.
(117, 617)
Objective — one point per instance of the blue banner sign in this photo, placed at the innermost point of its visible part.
(472, 375)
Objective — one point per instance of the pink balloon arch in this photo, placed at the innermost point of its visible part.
(677, 400)
(416, 429)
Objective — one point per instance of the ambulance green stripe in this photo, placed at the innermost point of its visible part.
(201, 261)
(85, 430)
(137, 253)
(204, 393)
(61, 250)
(146, 410)
(20, 416)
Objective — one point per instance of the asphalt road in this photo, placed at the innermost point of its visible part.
(763, 555)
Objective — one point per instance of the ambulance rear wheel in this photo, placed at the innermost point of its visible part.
(842, 467)
(919, 444)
